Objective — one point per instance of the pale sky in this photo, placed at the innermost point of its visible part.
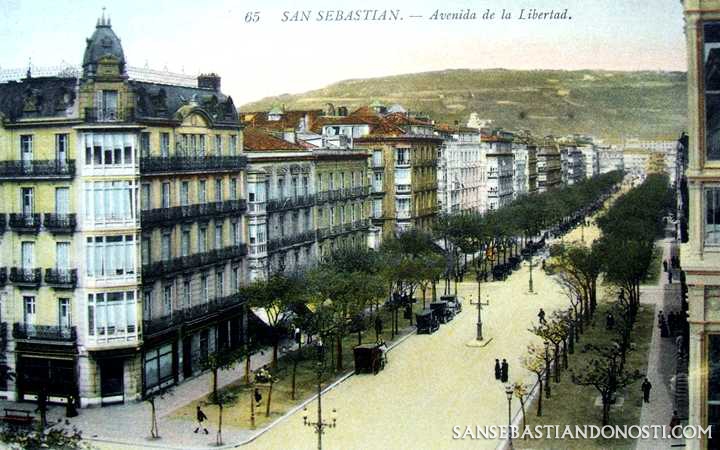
(271, 57)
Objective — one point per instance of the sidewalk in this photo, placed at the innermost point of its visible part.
(661, 360)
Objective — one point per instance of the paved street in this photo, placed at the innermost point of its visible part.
(434, 382)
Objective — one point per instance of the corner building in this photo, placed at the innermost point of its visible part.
(124, 248)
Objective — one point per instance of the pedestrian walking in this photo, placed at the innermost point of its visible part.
(665, 265)
(497, 369)
(201, 417)
(674, 421)
(504, 371)
(646, 386)
(42, 399)
(541, 317)
(258, 397)
(70, 410)
(670, 277)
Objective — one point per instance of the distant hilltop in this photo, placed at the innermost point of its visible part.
(612, 104)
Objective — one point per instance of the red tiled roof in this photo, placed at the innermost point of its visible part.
(255, 139)
(289, 119)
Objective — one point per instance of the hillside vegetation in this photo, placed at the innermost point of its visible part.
(602, 103)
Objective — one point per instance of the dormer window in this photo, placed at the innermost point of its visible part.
(106, 105)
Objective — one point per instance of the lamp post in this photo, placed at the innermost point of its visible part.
(547, 369)
(530, 282)
(479, 304)
(319, 426)
(509, 393)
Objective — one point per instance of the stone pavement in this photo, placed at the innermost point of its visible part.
(661, 360)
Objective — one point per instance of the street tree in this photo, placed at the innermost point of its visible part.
(534, 361)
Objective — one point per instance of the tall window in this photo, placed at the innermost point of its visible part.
(201, 150)
(219, 236)
(164, 145)
(167, 299)
(233, 145)
(219, 283)
(280, 188)
(202, 191)
(218, 145)
(26, 148)
(235, 279)
(27, 254)
(294, 187)
(62, 255)
(28, 200)
(185, 242)
(62, 200)
(236, 233)
(61, 147)
(29, 309)
(145, 144)
(64, 313)
(233, 188)
(187, 299)
(112, 314)
(218, 189)
(110, 256)
(204, 288)
(712, 216)
(305, 182)
(166, 195)
(184, 193)
(711, 57)
(145, 196)
(202, 240)
(166, 246)
(145, 250)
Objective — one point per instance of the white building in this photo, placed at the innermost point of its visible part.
(610, 158)
(590, 156)
(461, 170)
(500, 168)
(521, 168)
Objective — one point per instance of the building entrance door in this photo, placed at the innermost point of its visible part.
(111, 380)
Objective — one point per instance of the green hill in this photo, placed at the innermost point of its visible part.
(602, 103)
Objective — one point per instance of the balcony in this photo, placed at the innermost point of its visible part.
(289, 241)
(342, 194)
(60, 223)
(378, 163)
(193, 313)
(173, 266)
(337, 230)
(302, 201)
(52, 333)
(47, 169)
(426, 212)
(256, 207)
(61, 278)
(402, 163)
(25, 277)
(159, 164)
(109, 115)
(403, 189)
(166, 216)
(25, 223)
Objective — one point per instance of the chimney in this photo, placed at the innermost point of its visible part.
(209, 81)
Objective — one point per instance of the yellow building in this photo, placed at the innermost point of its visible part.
(124, 247)
(701, 254)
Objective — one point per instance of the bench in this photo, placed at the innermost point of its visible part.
(18, 416)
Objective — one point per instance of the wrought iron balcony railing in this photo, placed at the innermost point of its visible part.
(301, 201)
(193, 313)
(159, 164)
(165, 216)
(159, 269)
(342, 194)
(26, 223)
(62, 278)
(102, 115)
(25, 276)
(39, 168)
(60, 223)
(55, 333)
(288, 241)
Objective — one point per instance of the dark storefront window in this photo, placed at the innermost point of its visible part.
(159, 367)
(57, 375)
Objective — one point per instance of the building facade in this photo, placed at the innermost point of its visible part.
(127, 255)
(500, 169)
(461, 170)
(610, 159)
(548, 165)
(701, 254)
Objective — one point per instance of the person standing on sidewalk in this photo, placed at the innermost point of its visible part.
(541, 317)
(646, 386)
(504, 371)
(201, 417)
(498, 370)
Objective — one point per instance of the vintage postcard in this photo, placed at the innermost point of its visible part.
(359, 225)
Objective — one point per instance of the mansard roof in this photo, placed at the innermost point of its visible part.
(38, 97)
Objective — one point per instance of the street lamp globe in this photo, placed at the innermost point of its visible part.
(509, 391)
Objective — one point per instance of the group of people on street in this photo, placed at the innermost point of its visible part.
(501, 370)
(672, 325)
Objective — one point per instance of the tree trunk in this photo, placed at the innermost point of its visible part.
(294, 377)
(522, 408)
(247, 368)
(214, 383)
(339, 352)
(267, 406)
(359, 337)
(276, 344)
(434, 293)
(219, 432)
(153, 419)
(540, 396)
(557, 362)
(565, 354)
(606, 410)
(423, 291)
